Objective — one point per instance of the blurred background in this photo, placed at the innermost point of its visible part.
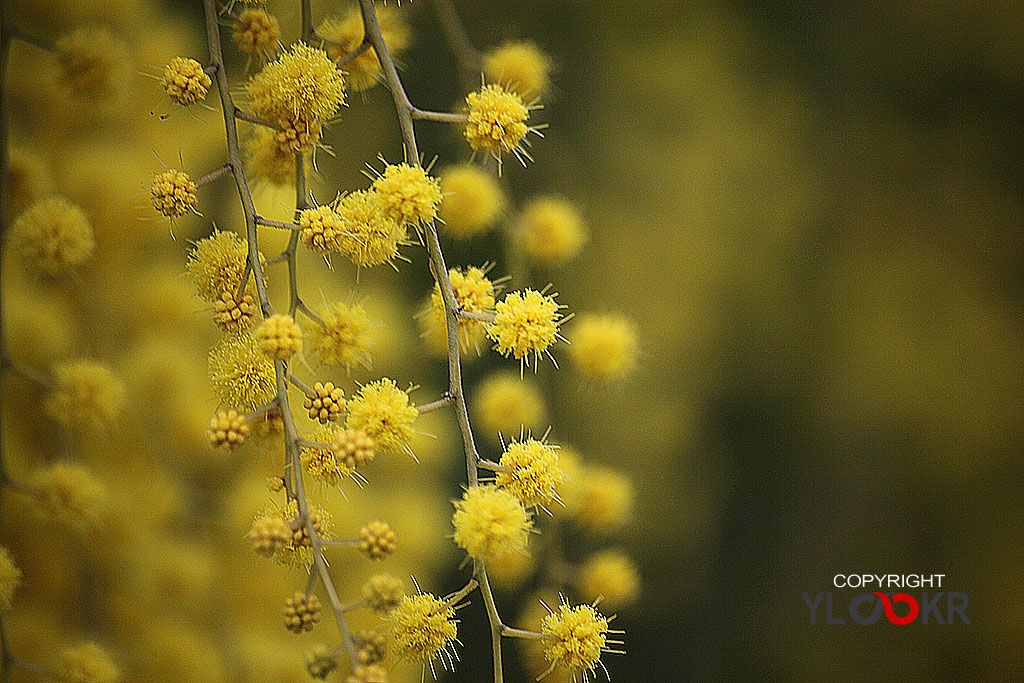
(811, 211)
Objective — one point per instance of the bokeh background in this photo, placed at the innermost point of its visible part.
(813, 213)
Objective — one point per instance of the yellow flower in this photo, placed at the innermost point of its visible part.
(369, 237)
(490, 523)
(475, 294)
(577, 636)
(532, 475)
(256, 33)
(525, 323)
(87, 396)
(611, 577)
(604, 498)
(382, 592)
(382, 410)
(346, 34)
(52, 235)
(240, 374)
(266, 160)
(408, 194)
(70, 495)
(520, 67)
(603, 347)
(551, 231)
(497, 120)
(423, 627)
(93, 62)
(302, 83)
(472, 202)
(185, 82)
(322, 463)
(216, 265)
(279, 336)
(173, 193)
(86, 663)
(504, 403)
(344, 336)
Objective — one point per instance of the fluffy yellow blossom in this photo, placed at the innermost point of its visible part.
(353, 448)
(235, 316)
(298, 548)
(93, 62)
(605, 500)
(52, 236)
(408, 194)
(369, 237)
(322, 463)
(377, 540)
(577, 637)
(185, 82)
(269, 535)
(525, 323)
(266, 161)
(475, 294)
(325, 403)
(532, 475)
(240, 374)
(10, 578)
(279, 336)
(609, 576)
(173, 193)
(302, 83)
(423, 627)
(472, 200)
(505, 403)
(320, 227)
(510, 571)
(520, 67)
(491, 523)
(298, 135)
(497, 120)
(383, 411)
(256, 33)
(86, 663)
(346, 34)
(550, 231)
(70, 495)
(227, 428)
(86, 397)
(382, 592)
(603, 346)
(344, 336)
(216, 265)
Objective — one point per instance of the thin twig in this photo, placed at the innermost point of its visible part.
(445, 400)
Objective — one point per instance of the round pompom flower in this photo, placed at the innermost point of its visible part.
(532, 475)
(234, 316)
(550, 231)
(525, 323)
(346, 34)
(184, 81)
(474, 293)
(256, 33)
(505, 403)
(382, 410)
(86, 663)
(604, 500)
(326, 402)
(576, 638)
(227, 428)
(269, 535)
(343, 338)
(52, 236)
(382, 592)
(423, 627)
(240, 374)
(408, 194)
(265, 159)
(301, 612)
(87, 396)
(472, 201)
(173, 193)
(279, 336)
(497, 120)
(369, 237)
(302, 83)
(320, 227)
(520, 67)
(603, 347)
(216, 265)
(490, 523)
(70, 496)
(609, 576)
(10, 578)
(93, 62)
(320, 662)
(322, 463)
(377, 540)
